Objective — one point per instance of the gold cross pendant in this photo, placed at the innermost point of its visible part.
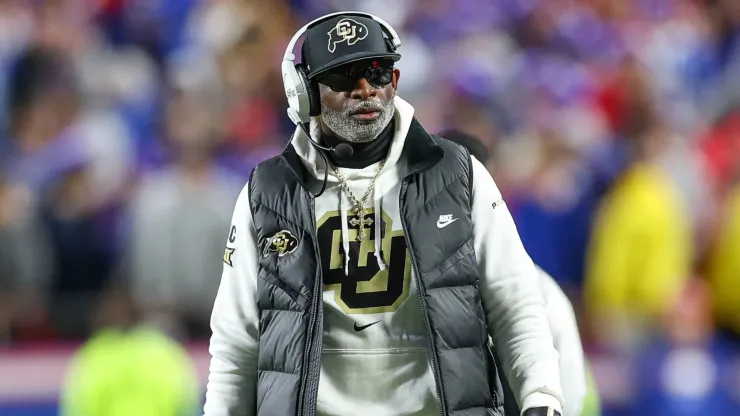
(361, 222)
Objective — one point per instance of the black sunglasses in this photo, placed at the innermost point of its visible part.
(343, 79)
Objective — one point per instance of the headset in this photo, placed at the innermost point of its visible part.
(302, 93)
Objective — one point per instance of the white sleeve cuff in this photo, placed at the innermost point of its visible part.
(538, 399)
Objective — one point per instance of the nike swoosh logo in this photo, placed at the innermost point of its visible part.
(443, 224)
(360, 328)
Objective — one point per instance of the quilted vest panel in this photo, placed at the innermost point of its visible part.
(445, 261)
(285, 288)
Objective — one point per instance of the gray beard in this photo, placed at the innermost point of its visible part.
(357, 131)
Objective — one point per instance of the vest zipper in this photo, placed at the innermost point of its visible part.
(307, 396)
(425, 313)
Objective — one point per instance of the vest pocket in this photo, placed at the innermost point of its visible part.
(273, 280)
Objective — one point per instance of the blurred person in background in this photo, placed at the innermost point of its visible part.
(685, 368)
(720, 148)
(43, 105)
(723, 268)
(554, 212)
(254, 125)
(579, 390)
(280, 346)
(79, 248)
(127, 368)
(640, 253)
(25, 265)
(179, 214)
(717, 64)
(39, 149)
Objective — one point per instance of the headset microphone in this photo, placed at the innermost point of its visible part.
(342, 150)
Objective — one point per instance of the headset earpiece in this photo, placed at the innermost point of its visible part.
(312, 90)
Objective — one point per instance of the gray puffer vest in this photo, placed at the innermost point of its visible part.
(437, 179)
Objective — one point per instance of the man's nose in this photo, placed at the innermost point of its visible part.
(363, 90)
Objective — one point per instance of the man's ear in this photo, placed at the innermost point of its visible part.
(396, 75)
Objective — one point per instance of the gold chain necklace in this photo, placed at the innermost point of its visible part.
(359, 205)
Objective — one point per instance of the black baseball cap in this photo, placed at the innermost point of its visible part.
(344, 39)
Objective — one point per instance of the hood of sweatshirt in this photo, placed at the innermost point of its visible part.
(388, 177)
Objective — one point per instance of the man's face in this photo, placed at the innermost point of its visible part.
(357, 99)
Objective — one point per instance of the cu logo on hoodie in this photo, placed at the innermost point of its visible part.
(346, 30)
(363, 287)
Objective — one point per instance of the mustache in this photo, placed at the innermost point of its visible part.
(365, 105)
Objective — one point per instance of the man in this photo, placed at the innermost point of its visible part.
(129, 368)
(579, 390)
(641, 251)
(322, 311)
(724, 267)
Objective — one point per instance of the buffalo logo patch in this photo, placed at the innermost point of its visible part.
(282, 243)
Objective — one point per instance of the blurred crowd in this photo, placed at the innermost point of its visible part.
(128, 127)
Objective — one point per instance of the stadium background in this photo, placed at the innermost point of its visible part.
(128, 127)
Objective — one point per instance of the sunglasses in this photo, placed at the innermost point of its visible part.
(343, 79)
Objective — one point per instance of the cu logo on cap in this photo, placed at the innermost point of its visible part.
(346, 30)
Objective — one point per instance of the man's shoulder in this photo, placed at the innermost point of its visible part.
(270, 161)
(450, 146)
(268, 168)
(274, 173)
(454, 153)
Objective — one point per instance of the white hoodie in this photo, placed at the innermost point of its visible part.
(567, 341)
(383, 369)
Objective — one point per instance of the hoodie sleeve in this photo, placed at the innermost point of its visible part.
(567, 341)
(514, 306)
(232, 379)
